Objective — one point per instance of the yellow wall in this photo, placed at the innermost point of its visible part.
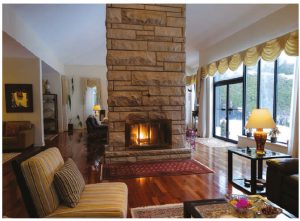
(25, 71)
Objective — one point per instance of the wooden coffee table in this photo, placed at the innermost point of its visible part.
(191, 208)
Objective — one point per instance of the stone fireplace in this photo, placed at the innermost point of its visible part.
(146, 66)
(150, 134)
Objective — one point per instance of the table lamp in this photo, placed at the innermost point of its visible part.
(96, 108)
(259, 119)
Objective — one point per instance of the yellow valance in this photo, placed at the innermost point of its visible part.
(268, 51)
(190, 79)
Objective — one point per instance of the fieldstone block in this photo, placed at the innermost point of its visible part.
(120, 34)
(131, 58)
(143, 17)
(133, 116)
(144, 68)
(179, 40)
(178, 100)
(117, 138)
(174, 115)
(130, 88)
(119, 68)
(113, 15)
(120, 83)
(139, 108)
(110, 85)
(169, 56)
(145, 32)
(120, 99)
(157, 78)
(168, 31)
(171, 108)
(128, 26)
(162, 8)
(164, 46)
(134, 6)
(156, 100)
(113, 116)
(177, 129)
(153, 90)
(175, 22)
(158, 115)
(119, 126)
(172, 66)
(129, 45)
(178, 141)
(119, 75)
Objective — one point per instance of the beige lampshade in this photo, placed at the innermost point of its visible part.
(260, 118)
(96, 107)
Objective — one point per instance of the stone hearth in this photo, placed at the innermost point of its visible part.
(146, 65)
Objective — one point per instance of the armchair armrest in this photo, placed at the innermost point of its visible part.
(286, 165)
(25, 138)
(276, 171)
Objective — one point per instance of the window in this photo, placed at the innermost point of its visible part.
(265, 85)
(228, 103)
(286, 66)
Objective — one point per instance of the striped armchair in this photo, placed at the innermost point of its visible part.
(35, 176)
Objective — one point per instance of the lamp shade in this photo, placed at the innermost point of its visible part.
(260, 118)
(96, 107)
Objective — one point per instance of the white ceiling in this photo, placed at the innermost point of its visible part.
(76, 32)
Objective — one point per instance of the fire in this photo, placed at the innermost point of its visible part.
(141, 134)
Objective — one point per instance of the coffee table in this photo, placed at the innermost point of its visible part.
(256, 162)
(191, 208)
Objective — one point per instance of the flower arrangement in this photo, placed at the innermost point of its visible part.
(241, 203)
(274, 132)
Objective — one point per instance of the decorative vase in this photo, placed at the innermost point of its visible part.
(70, 127)
(273, 139)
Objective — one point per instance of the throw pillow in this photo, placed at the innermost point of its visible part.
(69, 183)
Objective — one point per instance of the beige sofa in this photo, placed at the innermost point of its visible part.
(17, 135)
(105, 200)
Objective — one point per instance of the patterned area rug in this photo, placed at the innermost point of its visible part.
(160, 168)
(213, 142)
(161, 211)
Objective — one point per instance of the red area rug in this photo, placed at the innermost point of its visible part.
(161, 168)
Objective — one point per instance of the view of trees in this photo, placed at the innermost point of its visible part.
(285, 76)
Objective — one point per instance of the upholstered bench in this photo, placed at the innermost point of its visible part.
(41, 197)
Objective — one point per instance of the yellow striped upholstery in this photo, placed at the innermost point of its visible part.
(105, 200)
(39, 172)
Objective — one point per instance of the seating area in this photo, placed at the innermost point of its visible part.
(150, 110)
(17, 135)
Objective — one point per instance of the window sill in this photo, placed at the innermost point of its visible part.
(244, 141)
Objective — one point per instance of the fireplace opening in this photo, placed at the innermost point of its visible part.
(148, 134)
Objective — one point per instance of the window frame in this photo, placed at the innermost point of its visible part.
(243, 80)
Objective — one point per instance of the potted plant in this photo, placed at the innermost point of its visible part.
(248, 132)
(70, 124)
(273, 134)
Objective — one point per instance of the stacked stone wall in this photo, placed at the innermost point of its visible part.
(146, 65)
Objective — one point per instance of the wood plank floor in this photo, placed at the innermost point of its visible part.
(160, 190)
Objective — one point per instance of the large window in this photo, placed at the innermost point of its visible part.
(265, 85)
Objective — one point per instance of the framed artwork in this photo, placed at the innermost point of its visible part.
(18, 98)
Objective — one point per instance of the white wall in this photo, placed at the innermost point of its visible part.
(86, 71)
(25, 71)
(15, 26)
(54, 79)
(274, 25)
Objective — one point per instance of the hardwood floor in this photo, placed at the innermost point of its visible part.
(159, 190)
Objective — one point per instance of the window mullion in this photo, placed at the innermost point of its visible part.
(258, 86)
(275, 90)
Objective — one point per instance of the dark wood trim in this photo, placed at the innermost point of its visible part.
(16, 164)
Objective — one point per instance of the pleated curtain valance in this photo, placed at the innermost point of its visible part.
(268, 51)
